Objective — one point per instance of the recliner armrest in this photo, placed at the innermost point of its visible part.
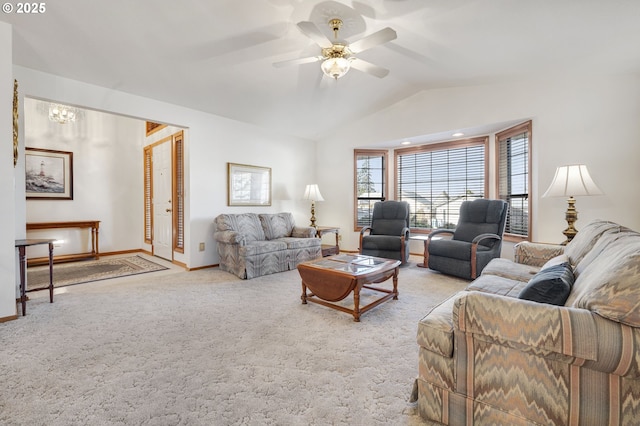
(481, 237)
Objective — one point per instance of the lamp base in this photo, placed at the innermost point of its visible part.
(313, 215)
(571, 216)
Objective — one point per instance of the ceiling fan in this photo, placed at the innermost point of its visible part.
(338, 57)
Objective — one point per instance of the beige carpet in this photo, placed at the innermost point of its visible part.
(65, 274)
(205, 348)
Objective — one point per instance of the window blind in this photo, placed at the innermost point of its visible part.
(436, 181)
(370, 170)
(513, 146)
(513, 178)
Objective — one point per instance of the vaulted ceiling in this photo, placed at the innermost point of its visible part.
(217, 56)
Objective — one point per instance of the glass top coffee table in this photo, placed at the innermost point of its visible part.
(333, 278)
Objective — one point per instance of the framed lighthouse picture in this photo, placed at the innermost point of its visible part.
(49, 174)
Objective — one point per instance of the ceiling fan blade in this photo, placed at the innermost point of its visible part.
(369, 68)
(298, 61)
(372, 40)
(313, 32)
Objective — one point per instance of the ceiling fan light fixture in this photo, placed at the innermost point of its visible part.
(335, 67)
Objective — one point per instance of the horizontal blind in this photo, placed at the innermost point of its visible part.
(513, 181)
(435, 183)
(178, 196)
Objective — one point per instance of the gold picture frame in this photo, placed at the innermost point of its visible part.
(248, 185)
(15, 122)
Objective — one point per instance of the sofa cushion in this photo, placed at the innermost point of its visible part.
(298, 243)
(596, 267)
(247, 224)
(496, 284)
(277, 225)
(261, 247)
(584, 240)
(551, 285)
(454, 249)
(505, 268)
(609, 285)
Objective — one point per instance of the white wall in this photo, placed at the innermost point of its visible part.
(212, 142)
(7, 206)
(590, 120)
(107, 179)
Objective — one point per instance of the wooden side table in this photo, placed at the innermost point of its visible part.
(423, 238)
(22, 251)
(329, 250)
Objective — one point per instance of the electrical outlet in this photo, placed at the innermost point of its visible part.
(339, 237)
(201, 246)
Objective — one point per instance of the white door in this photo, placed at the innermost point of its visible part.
(162, 208)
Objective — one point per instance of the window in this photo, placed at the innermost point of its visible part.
(514, 180)
(436, 179)
(178, 192)
(370, 182)
(148, 190)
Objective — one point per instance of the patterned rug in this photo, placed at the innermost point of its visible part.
(66, 274)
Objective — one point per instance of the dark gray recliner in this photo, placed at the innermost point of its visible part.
(476, 240)
(388, 235)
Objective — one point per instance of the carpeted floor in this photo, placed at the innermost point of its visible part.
(205, 348)
(65, 274)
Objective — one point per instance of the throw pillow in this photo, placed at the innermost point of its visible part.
(551, 285)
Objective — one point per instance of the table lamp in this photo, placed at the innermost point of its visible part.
(569, 181)
(312, 192)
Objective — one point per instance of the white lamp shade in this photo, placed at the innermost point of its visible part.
(312, 192)
(572, 180)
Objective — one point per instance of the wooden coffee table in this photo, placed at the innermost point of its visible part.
(333, 278)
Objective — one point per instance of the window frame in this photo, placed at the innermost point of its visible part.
(443, 146)
(385, 176)
(525, 127)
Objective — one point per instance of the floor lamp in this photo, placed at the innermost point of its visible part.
(569, 181)
(312, 192)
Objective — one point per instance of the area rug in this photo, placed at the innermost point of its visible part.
(66, 274)
(204, 348)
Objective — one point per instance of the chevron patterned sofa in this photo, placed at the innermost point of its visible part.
(250, 244)
(488, 357)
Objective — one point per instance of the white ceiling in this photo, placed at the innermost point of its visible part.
(217, 55)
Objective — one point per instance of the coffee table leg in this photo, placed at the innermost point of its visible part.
(304, 294)
(395, 284)
(356, 304)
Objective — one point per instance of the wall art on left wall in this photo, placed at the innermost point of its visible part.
(49, 174)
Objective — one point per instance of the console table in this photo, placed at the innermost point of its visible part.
(22, 245)
(93, 225)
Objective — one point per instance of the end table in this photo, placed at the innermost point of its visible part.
(329, 250)
(22, 245)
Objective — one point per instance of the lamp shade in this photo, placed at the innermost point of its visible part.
(572, 180)
(312, 192)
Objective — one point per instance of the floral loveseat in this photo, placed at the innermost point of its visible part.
(251, 244)
(489, 357)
